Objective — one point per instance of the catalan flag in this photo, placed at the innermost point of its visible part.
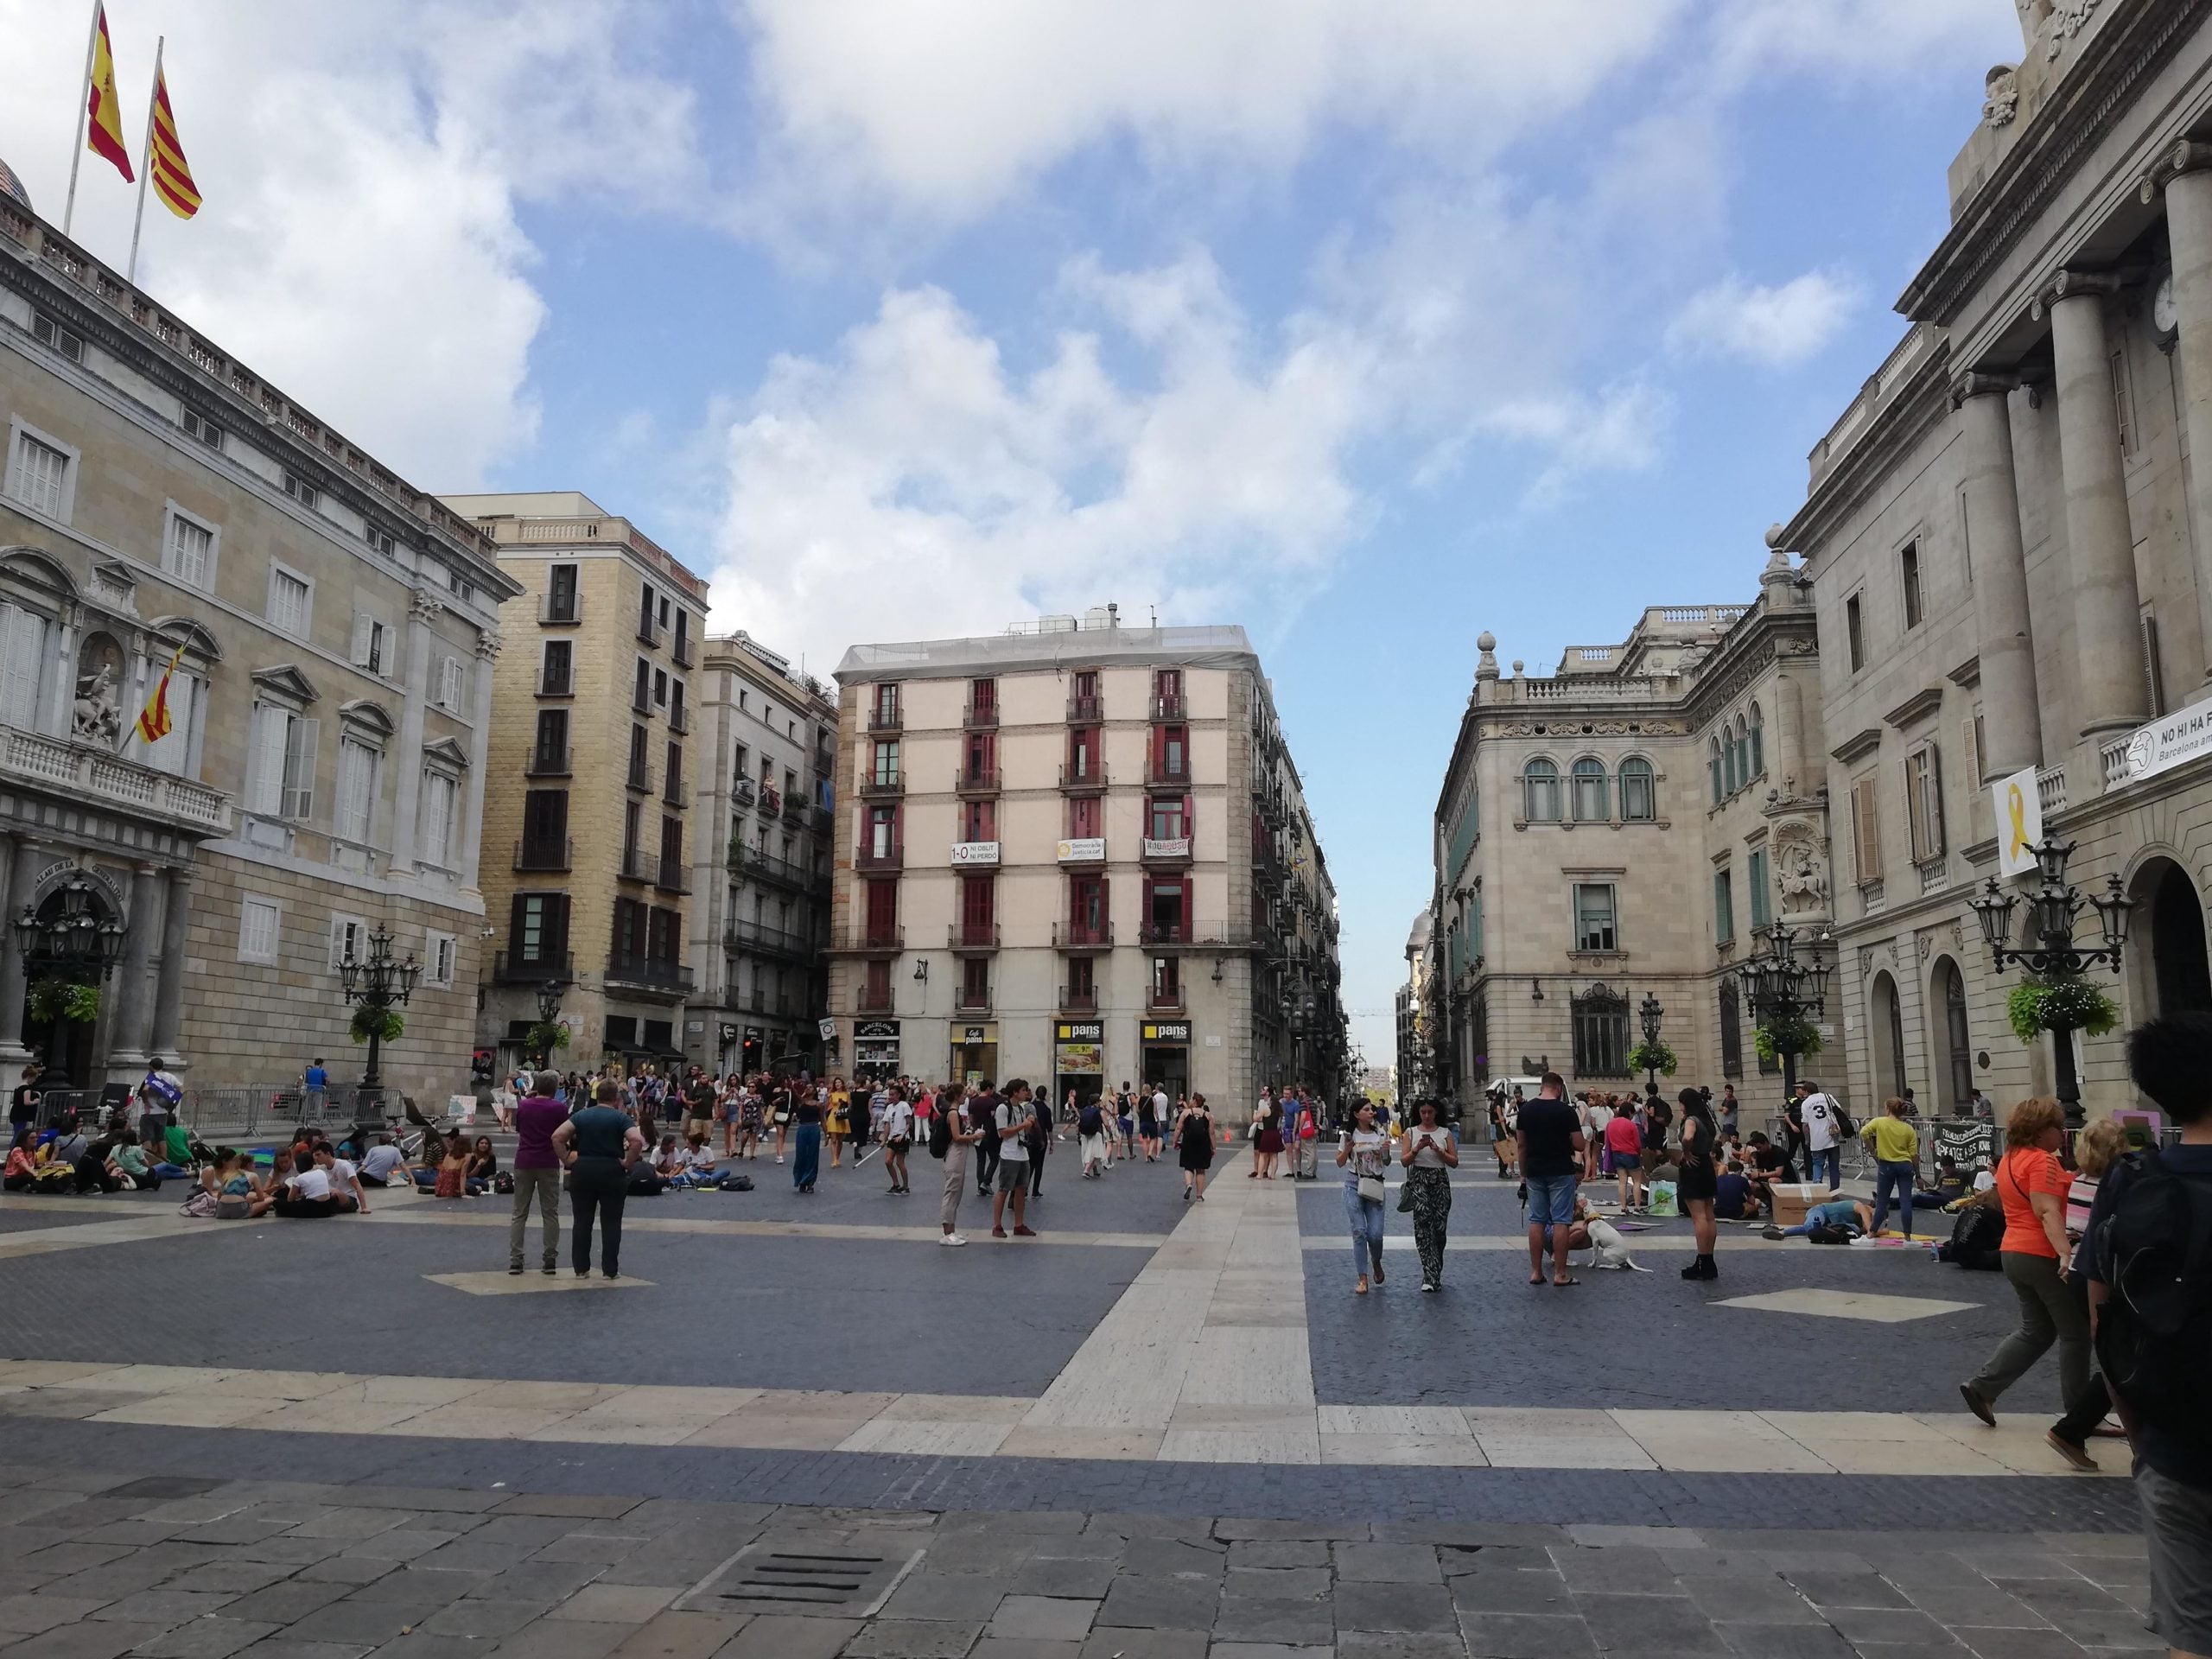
(172, 176)
(104, 130)
(154, 721)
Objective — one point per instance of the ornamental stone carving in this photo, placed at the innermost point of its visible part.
(424, 605)
(1802, 876)
(489, 643)
(2068, 19)
(2002, 103)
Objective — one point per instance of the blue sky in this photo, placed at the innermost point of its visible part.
(1367, 327)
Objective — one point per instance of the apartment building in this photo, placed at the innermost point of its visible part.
(1078, 853)
(762, 860)
(1618, 830)
(332, 631)
(588, 872)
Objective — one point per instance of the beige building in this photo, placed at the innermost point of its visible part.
(587, 867)
(1078, 854)
(761, 857)
(332, 630)
(2010, 540)
(1618, 830)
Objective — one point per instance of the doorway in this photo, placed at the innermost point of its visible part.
(2179, 970)
(1170, 1068)
(1886, 1022)
(1956, 1042)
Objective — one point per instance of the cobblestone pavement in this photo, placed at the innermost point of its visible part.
(95, 1565)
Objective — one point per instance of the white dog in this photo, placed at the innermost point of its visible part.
(1608, 1248)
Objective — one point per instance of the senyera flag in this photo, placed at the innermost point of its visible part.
(171, 174)
(154, 721)
(104, 130)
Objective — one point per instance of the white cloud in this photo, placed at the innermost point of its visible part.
(1752, 38)
(1775, 328)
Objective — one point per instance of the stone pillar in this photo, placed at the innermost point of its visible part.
(169, 990)
(2108, 609)
(469, 833)
(2188, 173)
(424, 607)
(2012, 728)
(29, 859)
(127, 1045)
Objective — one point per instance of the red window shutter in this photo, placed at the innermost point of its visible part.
(1105, 904)
(1191, 816)
(1190, 916)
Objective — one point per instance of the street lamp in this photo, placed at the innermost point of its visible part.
(1782, 992)
(76, 942)
(1650, 1013)
(377, 984)
(2051, 912)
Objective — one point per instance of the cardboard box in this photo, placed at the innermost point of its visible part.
(1793, 1199)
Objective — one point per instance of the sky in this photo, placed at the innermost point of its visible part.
(1366, 327)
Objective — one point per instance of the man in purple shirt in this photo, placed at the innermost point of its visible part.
(538, 1167)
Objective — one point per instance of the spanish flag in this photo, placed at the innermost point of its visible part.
(171, 174)
(104, 132)
(154, 721)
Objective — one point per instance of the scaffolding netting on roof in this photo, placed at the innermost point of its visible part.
(1185, 647)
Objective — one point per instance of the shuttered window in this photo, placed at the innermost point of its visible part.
(1924, 777)
(1867, 831)
(23, 636)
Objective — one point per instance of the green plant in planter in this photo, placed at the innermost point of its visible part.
(64, 999)
(546, 1036)
(1652, 1056)
(2059, 1002)
(383, 1024)
(1782, 1037)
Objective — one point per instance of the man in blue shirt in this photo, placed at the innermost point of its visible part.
(314, 1087)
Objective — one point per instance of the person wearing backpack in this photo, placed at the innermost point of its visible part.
(2151, 1307)
(1090, 1130)
(951, 1136)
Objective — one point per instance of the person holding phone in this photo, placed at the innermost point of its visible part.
(1430, 1153)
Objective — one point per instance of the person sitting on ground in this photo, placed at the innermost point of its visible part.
(386, 1165)
(483, 1166)
(23, 1161)
(1733, 1199)
(179, 1154)
(127, 1165)
(239, 1195)
(344, 1180)
(1949, 1187)
(453, 1170)
(669, 1162)
(699, 1160)
(305, 1194)
(1837, 1212)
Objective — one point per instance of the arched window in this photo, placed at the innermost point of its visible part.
(1540, 780)
(1728, 759)
(1639, 790)
(1743, 751)
(1720, 794)
(1590, 790)
(1758, 742)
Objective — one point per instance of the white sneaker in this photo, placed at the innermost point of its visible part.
(951, 1238)
(780, 1158)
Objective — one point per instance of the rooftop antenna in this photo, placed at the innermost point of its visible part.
(1155, 611)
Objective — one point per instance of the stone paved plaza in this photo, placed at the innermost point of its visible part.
(1157, 1429)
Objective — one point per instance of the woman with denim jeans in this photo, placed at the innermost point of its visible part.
(1361, 1152)
(1897, 1161)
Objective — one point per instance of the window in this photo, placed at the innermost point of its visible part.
(886, 703)
(882, 911)
(1589, 787)
(660, 688)
(1977, 766)
(197, 425)
(38, 475)
(441, 953)
(1743, 774)
(1166, 982)
(288, 597)
(978, 896)
(188, 550)
(883, 831)
(979, 820)
(24, 640)
(1723, 908)
(260, 923)
(1758, 742)
(1082, 983)
(1755, 881)
(1923, 799)
(550, 755)
(1639, 792)
(639, 777)
(1171, 752)
(452, 684)
(48, 332)
(281, 784)
(1169, 820)
(1720, 779)
(544, 830)
(373, 642)
(676, 704)
(349, 940)
(556, 672)
(537, 931)
(645, 612)
(1167, 910)
(1087, 909)
(633, 819)
(441, 792)
(671, 849)
(672, 773)
(1731, 1032)
(1082, 754)
(1854, 633)
(980, 765)
(1729, 750)
(1600, 1019)
(1908, 582)
(983, 701)
(1866, 829)
(560, 594)
(877, 994)
(743, 770)
(1083, 818)
(975, 983)
(376, 539)
(1540, 781)
(302, 492)
(1593, 916)
(886, 772)
(357, 790)
(641, 698)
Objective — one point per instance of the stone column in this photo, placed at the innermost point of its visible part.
(2108, 609)
(22, 880)
(169, 990)
(127, 1036)
(424, 607)
(2187, 174)
(469, 833)
(2011, 730)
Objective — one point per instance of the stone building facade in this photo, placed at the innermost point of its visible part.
(1079, 854)
(2010, 542)
(762, 856)
(587, 863)
(1618, 830)
(332, 631)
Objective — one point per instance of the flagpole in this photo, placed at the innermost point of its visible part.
(84, 113)
(145, 161)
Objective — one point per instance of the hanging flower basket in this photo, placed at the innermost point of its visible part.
(383, 1024)
(64, 999)
(1771, 1042)
(2059, 1002)
(1652, 1056)
(546, 1036)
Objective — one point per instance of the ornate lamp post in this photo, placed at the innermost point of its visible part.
(377, 984)
(1783, 993)
(74, 946)
(1651, 1013)
(2051, 912)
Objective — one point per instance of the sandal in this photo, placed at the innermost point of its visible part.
(1360, 1290)
(1562, 1284)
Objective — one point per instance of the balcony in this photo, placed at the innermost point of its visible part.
(862, 939)
(892, 857)
(771, 803)
(979, 717)
(1167, 706)
(547, 763)
(683, 651)
(887, 722)
(824, 820)
(1166, 852)
(741, 792)
(795, 808)
(760, 940)
(543, 855)
(1084, 781)
(538, 971)
(1173, 938)
(1082, 936)
(560, 610)
(872, 999)
(670, 875)
(747, 861)
(636, 866)
(1086, 711)
(972, 938)
(648, 630)
(91, 775)
(1166, 999)
(556, 685)
(966, 1002)
(1159, 771)
(641, 701)
(638, 777)
(680, 718)
(883, 786)
(654, 976)
(1083, 1000)
(971, 782)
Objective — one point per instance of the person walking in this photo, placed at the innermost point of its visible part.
(537, 1171)
(1361, 1152)
(1550, 1142)
(1896, 1145)
(897, 1139)
(1194, 1145)
(600, 1144)
(957, 1134)
(1430, 1153)
(2095, 1151)
(1020, 1127)
(982, 1107)
(1700, 1182)
(2035, 1254)
(1091, 1138)
(1823, 1152)
(839, 1125)
(806, 1109)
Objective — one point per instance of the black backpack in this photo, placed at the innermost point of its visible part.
(1089, 1122)
(941, 1130)
(2154, 1333)
(1977, 1239)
